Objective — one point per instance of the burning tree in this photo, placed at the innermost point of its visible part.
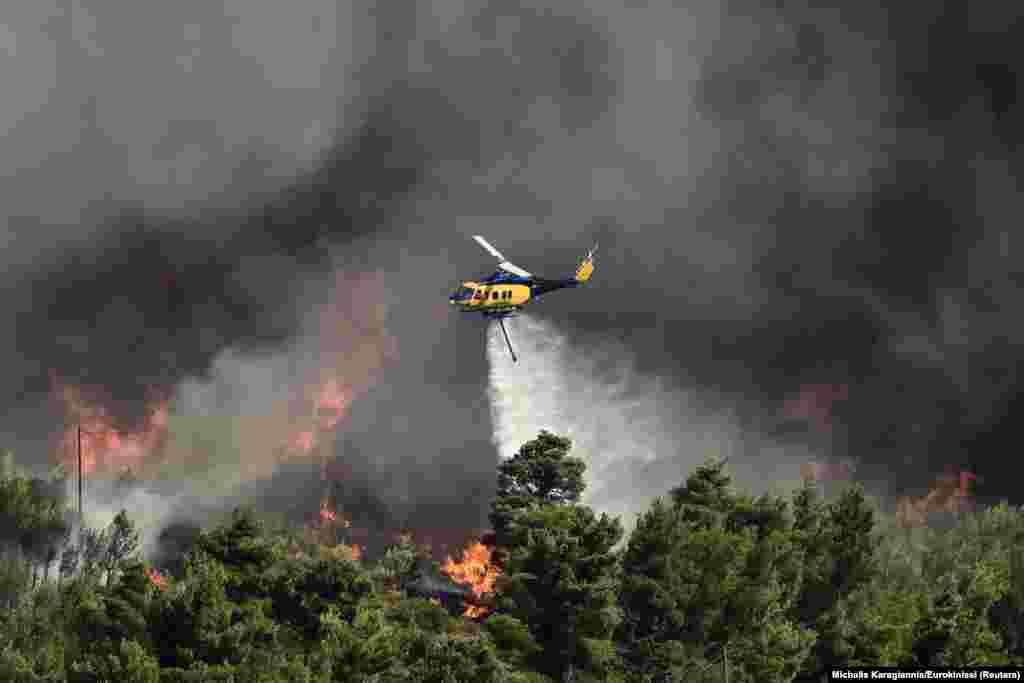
(158, 579)
(478, 572)
(949, 492)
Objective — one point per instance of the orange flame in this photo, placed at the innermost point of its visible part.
(819, 471)
(949, 492)
(105, 448)
(328, 516)
(815, 403)
(476, 571)
(158, 579)
(304, 441)
(331, 405)
(355, 348)
(474, 612)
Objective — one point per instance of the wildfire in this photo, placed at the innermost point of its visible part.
(355, 346)
(948, 493)
(818, 471)
(106, 448)
(304, 441)
(475, 570)
(814, 403)
(307, 411)
(331, 405)
(158, 579)
(474, 612)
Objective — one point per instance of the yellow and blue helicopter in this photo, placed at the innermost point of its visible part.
(510, 288)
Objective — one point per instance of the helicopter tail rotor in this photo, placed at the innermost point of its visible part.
(586, 267)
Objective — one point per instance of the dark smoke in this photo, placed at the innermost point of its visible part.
(152, 302)
(904, 290)
(430, 583)
(786, 195)
(173, 544)
(795, 196)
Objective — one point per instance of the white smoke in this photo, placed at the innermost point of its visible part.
(147, 508)
(638, 436)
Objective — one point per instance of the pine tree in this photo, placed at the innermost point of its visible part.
(561, 573)
(242, 548)
(541, 473)
(711, 569)
(122, 541)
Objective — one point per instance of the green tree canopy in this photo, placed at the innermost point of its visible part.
(243, 549)
(122, 540)
(541, 473)
(560, 571)
(711, 568)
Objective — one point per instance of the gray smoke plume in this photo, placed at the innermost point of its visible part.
(787, 196)
(638, 435)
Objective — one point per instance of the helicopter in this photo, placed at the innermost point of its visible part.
(505, 293)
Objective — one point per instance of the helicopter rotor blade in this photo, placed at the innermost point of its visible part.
(505, 265)
(487, 245)
(514, 269)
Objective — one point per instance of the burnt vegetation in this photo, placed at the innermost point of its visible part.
(786, 587)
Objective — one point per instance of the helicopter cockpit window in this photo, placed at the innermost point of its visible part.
(465, 293)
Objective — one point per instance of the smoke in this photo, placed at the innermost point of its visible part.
(789, 196)
(785, 196)
(175, 108)
(177, 204)
(149, 508)
(638, 435)
(253, 411)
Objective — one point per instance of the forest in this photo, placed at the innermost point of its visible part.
(710, 582)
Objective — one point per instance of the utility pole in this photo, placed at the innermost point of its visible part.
(81, 518)
(725, 663)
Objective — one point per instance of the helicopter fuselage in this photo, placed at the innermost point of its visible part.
(503, 294)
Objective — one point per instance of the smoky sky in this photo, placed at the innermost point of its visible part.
(783, 195)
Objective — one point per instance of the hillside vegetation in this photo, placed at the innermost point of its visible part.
(784, 588)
